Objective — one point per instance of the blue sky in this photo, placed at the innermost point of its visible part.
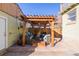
(40, 8)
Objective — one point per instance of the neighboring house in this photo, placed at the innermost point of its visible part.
(58, 21)
(58, 26)
(9, 16)
(70, 25)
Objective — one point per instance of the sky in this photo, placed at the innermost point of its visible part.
(40, 8)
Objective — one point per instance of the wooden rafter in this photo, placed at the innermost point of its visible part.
(37, 18)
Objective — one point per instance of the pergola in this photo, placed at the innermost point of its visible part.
(38, 20)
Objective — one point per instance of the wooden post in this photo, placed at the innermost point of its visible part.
(45, 28)
(52, 33)
(24, 34)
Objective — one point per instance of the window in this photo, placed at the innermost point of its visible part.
(72, 15)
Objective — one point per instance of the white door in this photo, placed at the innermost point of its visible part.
(2, 33)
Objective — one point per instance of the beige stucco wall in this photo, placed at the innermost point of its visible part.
(12, 28)
(70, 32)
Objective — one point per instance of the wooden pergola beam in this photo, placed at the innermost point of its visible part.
(37, 18)
(52, 33)
(41, 20)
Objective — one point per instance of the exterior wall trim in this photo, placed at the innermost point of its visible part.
(6, 25)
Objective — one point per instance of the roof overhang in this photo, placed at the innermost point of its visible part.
(69, 8)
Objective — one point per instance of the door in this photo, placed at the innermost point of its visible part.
(2, 33)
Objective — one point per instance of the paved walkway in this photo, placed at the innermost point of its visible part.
(32, 51)
(35, 51)
(62, 48)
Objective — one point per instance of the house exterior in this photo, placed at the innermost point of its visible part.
(9, 20)
(70, 25)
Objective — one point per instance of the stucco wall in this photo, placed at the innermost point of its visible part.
(12, 28)
(70, 31)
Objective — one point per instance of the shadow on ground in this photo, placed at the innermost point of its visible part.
(76, 54)
(20, 51)
(58, 37)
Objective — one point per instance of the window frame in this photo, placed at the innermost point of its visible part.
(72, 14)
